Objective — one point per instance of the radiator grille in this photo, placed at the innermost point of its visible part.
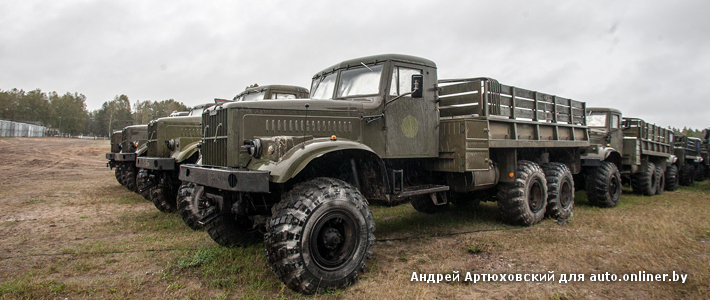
(214, 142)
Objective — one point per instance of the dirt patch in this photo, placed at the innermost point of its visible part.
(69, 230)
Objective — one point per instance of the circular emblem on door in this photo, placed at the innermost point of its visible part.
(410, 126)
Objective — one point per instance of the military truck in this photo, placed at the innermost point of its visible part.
(115, 149)
(379, 128)
(689, 163)
(624, 150)
(190, 197)
(705, 153)
(171, 140)
(133, 145)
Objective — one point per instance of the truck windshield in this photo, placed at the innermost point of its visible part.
(360, 81)
(283, 96)
(196, 111)
(596, 119)
(322, 88)
(253, 97)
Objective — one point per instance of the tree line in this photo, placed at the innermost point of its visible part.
(68, 113)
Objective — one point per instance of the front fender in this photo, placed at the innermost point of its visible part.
(299, 156)
(598, 152)
(186, 152)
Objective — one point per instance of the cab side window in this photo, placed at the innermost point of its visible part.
(614, 121)
(402, 80)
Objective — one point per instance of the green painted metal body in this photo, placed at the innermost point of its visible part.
(687, 149)
(627, 142)
(179, 133)
(462, 125)
(133, 139)
(116, 141)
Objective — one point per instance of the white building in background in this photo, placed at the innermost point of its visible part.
(19, 129)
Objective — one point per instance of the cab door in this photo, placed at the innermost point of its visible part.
(411, 124)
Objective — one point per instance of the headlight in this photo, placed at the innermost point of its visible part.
(253, 147)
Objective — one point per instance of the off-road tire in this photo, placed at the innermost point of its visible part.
(645, 182)
(660, 181)
(423, 203)
(560, 191)
(671, 178)
(604, 185)
(129, 178)
(163, 198)
(313, 214)
(143, 183)
(699, 172)
(686, 178)
(117, 172)
(230, 230)
(524, 201)
(187, 198)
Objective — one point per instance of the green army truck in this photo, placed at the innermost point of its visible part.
(111, 156)
(171, 141)
(378, 128)
(689, 163)
(705, 154)
(624, 150)
(133, 145)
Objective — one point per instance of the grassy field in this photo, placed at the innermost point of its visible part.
(88, 237)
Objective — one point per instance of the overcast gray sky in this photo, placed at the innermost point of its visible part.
(649, 59)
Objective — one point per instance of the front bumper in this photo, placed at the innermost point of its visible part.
(124, 157)
(111, 155)
(156, 163)
(226, 178)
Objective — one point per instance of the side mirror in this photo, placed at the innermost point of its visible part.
(417, 85)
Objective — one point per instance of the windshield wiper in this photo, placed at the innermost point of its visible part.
(362, 63)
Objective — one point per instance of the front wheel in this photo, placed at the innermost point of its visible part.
(189, 196)
(523, 201)
(604, 185)
(320, 235)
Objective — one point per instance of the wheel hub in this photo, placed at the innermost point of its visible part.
(331, 238)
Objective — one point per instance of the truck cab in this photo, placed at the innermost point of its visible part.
(605, 135)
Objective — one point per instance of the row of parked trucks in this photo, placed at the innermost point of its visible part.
(300, 173)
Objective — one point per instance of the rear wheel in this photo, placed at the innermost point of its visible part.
(523, 201)
(671, 178)
(604, 185)
(660, 181)
(645, 182)
(320, 235)
(560, 190)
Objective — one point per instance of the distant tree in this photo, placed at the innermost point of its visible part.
(145, 111)
(8, 103)
(34, 106)
(69, 112)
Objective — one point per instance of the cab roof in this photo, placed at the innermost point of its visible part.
(376, 59)
(603, 109)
